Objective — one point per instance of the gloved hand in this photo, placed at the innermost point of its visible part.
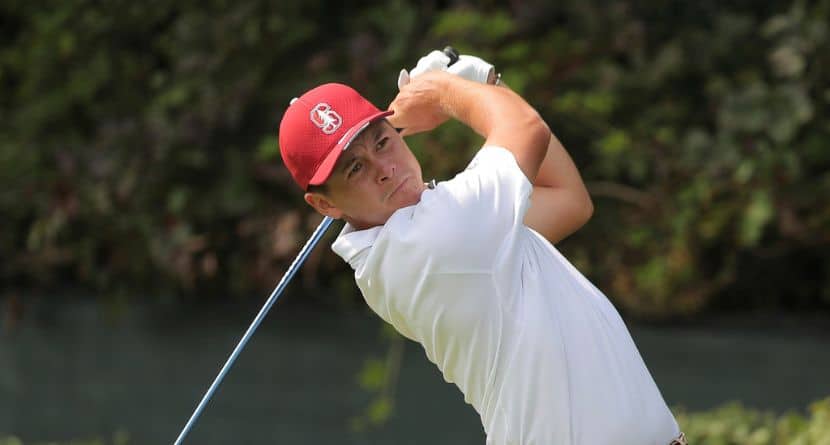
(468, 67)
(434, 61)
(473, 68)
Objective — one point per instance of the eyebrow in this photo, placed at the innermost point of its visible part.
(374, 131)
(378, 130)
(348, 159)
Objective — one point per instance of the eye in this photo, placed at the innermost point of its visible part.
(381, 143)
(356, 167)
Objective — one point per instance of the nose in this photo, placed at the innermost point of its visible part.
(386, 171)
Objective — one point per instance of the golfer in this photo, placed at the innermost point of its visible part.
(468, 268)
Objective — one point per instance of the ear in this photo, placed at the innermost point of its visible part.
(323, 205)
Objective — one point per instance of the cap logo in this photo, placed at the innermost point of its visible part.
(325, 118)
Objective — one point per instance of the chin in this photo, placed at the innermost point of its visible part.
(409, 197)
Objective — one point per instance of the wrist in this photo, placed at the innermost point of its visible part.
(459, 98)
(451, 95)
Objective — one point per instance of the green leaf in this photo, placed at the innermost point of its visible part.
(787, 61)
(757, 215)
(486, 27)
(379, 410)
(615, 142)
(373, 375)
(652, 276)
(268, 149)
(177, 199)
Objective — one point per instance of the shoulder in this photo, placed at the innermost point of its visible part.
(493, 178)
(462, 223)
(488, 198)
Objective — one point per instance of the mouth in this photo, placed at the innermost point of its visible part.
(397, 188)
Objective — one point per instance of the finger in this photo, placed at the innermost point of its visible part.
(409, 131)
(403, 79)
(434, 61)
(472, 68)
(395, 118)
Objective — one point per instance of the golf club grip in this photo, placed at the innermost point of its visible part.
(450, 52)
(492, 78)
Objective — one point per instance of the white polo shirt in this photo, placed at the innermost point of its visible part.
(537, 350)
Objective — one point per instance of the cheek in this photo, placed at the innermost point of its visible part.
(413, 163)
(366, 198)
(410, 195)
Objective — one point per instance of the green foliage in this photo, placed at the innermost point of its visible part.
(734, 424)
(138, 146)
(379, 379)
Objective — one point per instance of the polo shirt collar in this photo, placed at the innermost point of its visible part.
(350, 243)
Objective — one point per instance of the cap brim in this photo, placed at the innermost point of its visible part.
(324, 170)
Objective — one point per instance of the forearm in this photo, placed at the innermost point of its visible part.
(560, 202)
(502, 117)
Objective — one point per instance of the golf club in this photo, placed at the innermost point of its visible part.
(292, 270)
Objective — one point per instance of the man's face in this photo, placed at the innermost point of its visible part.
(373, 178)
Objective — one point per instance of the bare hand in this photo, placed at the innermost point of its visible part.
(418, 106)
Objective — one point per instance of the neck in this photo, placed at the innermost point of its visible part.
(363, 225)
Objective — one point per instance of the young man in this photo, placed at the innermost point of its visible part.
(467, 267)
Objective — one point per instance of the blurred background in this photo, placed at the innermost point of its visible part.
(146, 214)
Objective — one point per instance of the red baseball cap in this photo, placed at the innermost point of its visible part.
(318, 126)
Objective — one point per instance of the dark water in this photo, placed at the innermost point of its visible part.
(83, 370)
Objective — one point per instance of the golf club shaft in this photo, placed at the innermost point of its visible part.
(292, 269)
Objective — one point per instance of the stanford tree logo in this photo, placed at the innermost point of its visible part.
(324, 117)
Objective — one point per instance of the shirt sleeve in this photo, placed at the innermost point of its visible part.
(482, 208)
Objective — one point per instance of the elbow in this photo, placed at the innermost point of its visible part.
(587, 209)
(582, 209)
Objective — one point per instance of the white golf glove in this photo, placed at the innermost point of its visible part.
(468, 67)
(474, 68)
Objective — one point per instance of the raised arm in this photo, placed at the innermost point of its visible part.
(501, 116)
(560, 202)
